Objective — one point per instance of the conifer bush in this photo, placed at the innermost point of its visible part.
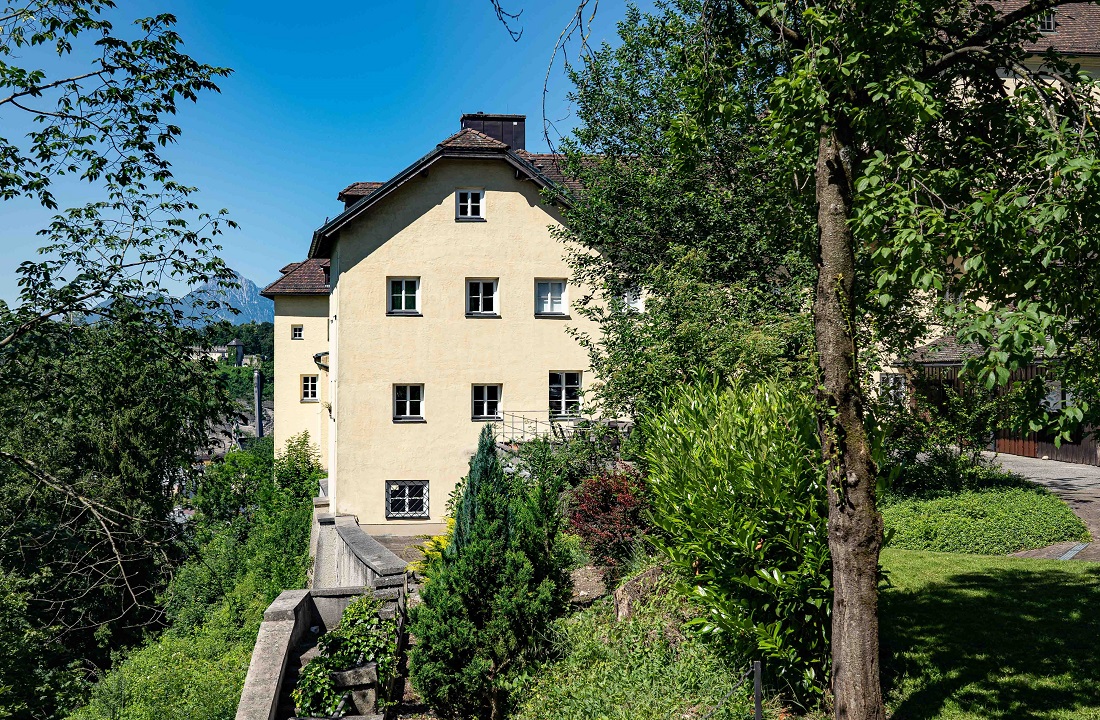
(491, 595)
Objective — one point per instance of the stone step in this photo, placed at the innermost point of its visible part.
(389, 581)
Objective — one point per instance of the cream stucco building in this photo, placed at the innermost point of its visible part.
(436, 302)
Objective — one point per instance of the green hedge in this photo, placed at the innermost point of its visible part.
(992, 521)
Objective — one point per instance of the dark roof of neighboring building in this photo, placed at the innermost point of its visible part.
(358, 190)
(288, 267)
(944, 351)
(544, 170)
(552, 165)
(304, 278)
(1077, 29)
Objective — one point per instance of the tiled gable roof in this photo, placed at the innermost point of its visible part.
(288, 267)
(305, 278)
(552, 167)
(944, 351)
(1077, 28)
(357, 190)
(469, 139)
(1077, 31)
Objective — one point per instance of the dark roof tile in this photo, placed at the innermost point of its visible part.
(306, 278)
(357, 190)
(469, 139)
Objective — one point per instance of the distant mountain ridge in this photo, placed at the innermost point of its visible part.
(246, 298)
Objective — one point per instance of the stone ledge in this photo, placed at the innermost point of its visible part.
(369, 551)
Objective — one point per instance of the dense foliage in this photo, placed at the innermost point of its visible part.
(737, 488)
(100, 427)
(608, 512)
(251, 541)
(361, 637)
(705, 234)
(641, 667)
(104, 409)
(491, 595)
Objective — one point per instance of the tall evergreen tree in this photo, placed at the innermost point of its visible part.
(491, 595)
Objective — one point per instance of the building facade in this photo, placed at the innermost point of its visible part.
(436, 302)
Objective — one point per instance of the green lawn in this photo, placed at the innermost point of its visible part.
(968, 636)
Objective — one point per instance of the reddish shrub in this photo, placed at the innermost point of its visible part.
(608, 514)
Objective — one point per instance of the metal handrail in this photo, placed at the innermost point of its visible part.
(523, 425)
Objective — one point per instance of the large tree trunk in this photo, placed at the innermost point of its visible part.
(855, 527)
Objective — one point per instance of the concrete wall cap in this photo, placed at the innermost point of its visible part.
(286, 606)
(369, 551)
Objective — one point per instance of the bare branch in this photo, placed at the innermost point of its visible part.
(506, 19)
(770, 21)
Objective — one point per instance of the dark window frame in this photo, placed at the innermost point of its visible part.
(399, 499)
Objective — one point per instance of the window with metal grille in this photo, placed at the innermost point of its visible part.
(468, 204)
(481, 296)
(893, 389)
(408, 401)
(550, 297)
(404, 296)
(407, 499)
(565, 393)
(1047, 23)
(486, 402)
(309, 388)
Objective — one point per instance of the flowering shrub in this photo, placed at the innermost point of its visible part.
(609, 515)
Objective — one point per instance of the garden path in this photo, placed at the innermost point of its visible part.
(1078, 485)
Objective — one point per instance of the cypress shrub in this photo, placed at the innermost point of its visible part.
(490, 596)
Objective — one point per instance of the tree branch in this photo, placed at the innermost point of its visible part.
(981, 40)
(786, 34)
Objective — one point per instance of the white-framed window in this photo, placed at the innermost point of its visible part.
(550, 297)
(297, 332)
(469, 204)
(565, 393)
(486, 402)
(404, 296)
(1047, 23)
(406, 498)
(634, 301)
(408, 402)
(309, 388)
(481, 297)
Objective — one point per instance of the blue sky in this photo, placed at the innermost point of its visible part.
(329, 93)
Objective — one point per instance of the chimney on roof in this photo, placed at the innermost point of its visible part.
(509, 129)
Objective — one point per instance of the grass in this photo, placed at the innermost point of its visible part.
(644, 668)
(967, 636)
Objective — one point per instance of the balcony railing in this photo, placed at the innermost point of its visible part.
(525, 425)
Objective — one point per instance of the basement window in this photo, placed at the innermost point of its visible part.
(469, 205)
(407, 499)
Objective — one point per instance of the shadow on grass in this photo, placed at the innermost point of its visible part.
(1000, 642)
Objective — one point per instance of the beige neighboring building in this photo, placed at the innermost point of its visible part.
(435, 303)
